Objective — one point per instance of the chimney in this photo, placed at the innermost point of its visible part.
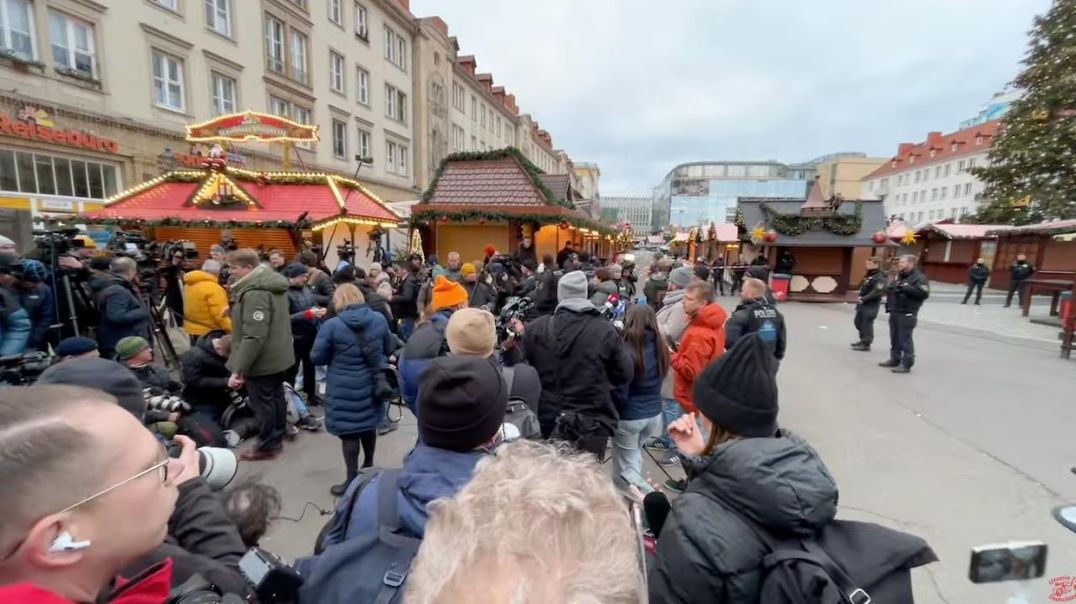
(468, 63)
(904, 148)
(934, 139)
(486, 79)
(510, 102)
(438, 23)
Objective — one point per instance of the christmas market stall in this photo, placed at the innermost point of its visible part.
(946, 251)
(1050, 247)
(828, 238)
(496, 198)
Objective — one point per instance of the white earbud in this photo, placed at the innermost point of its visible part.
(64, 542)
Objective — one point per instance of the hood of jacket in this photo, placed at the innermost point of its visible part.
(358, 315)
(607, 287)
(711, 316)
(198, 277)
(781, 483)
(673, 297)
(102, 280)
(262, 277)
(430, 473)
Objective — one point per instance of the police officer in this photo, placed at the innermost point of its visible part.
(1019, 271)
(757, 314)
(906, 295)
(871, 292)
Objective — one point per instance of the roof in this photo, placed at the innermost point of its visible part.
(1053, 227)
(872, 221)
(964, 231)
(942, 145)
(561, 186)
(814, 198)
(258, 198)
(502, 181)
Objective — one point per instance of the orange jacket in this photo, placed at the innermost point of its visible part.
(703, 341)
(203, 302)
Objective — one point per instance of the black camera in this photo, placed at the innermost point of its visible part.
(346, 251)
(23, 369)
(514, 308)
(272, 580)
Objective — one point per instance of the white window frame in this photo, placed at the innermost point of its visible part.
(395, 48)
(401, 159)
(362, 23)
(339, 139)
(364, 140)
(390, 101)
(474, 108)
(306, 116)
(967, 189)
(336, 12)
(298, 54)
(390, 157)
(219, 85)
(337, 64)
(216, 13)
(459, 97)
(362, 85)
(281, 103)
(6, 35)
(276, 64)
(71, 53)
(172, 5)
(161, 59)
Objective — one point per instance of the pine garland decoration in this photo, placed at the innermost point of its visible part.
(793, 225)
(423, 217)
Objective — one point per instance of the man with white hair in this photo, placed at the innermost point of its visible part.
(122, 311)
(452, 268)
(575, 543)
(205, 303)
(906, 296)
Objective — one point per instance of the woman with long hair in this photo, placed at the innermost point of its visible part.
(354, 344)
(639, 402)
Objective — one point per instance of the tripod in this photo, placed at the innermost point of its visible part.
(160, 332)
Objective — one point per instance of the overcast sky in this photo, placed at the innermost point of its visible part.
(641, 86)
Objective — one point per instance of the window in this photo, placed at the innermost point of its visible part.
(168, 81)
(474, 109)
(458, 139)
(459, 98)
(336, 12)
(933, 152)
(396, 158)
(944, 192)
(362, 30)
(937, 172)
(395, 48)
(362, 84)
(298, 57)
(223, 94)
(978, 140)
(274, 44)
(72, 45)
(54, 175)
(169, 4)
(300, 114)
(218, 16)
(278, 106)
(926, 174)
(933, 194)
(364, 143)
(474, 143)
(915, 196)
(967, 190)
(395, 103)
(16, 29)
(948, 169)
(971, 163)
(401, 160)
(482, 120)
(956, 191)
(339, 139)
(336, 72)
(960, 167)
(918, 175)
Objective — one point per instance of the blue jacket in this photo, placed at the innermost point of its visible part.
(428, 473)
(14, 324)
(349, 405)
(641, 398)
(39, 305)
(428, 342)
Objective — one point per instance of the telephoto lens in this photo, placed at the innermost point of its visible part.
(216, 465)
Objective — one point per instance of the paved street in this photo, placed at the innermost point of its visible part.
(972, 448)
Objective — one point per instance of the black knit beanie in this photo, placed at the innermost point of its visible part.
(461, 403)
(738, 392)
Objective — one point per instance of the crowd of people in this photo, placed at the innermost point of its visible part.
(517, 406)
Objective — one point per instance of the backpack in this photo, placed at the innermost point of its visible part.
(519, 413)
(371, 567)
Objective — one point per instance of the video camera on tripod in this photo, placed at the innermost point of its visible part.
(515, 308)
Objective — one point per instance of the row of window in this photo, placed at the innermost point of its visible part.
(920, 216)
(26, 172)
(488, 119)
(940, 171)
(936, 194)
(396, 154)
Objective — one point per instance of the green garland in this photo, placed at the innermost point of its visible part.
(215, 224)
(532, 170)
(793, 224)
(422, 217)
(739, 220)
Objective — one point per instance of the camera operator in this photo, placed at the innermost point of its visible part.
(37, 299)
(205, 374)
(405, 302)
(528, 270)
(172, 272)
(527, 250)
(15, 325)
(134, 353)
(77, 347)
(480, 293)
(122, 312)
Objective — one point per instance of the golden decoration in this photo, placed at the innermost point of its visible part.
(908, 238)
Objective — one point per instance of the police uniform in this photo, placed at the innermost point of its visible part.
(871, 292)
(906, 296)
(757, 316)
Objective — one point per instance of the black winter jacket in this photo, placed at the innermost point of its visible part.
(978, 273)
(300, 300)
(579, 358)
(545, 292)
(761, 317)
(205, 376)
(707, 554)
(906, 296)
(872, 289)
(377, 303)
(1021, 269)
(405, 302)
(122, 313)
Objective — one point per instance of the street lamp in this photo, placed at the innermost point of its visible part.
(166, 161)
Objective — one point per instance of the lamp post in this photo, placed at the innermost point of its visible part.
(166, 161)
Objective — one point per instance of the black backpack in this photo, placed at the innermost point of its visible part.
(370, 567)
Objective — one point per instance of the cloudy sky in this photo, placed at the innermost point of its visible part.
(640, 86)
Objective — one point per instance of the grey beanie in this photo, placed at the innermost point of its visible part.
(682, 276)
(572, 286)
(102, 374)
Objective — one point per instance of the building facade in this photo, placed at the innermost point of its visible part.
(636, 209)
(842, 174)
(929, 181)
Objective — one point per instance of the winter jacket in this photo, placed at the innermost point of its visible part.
(906, 296)
(205, 375)
(528, 253)
(156, 378)
(40, 306)
(655, 289)
(705, 552)
(672, 321)
(978, 273)
(602, 293)
(563, 255)
(1021, 270)
(202, 539)
(481, 295)
(759, 271)
(203, 302)
(428, 342)
(304, 326)
(580, 358)
(321, 285)
(702, 342)
(122, 313)
(545, 292)
(149, 588)
(377, 303)
(786, 263)
(872, 288)
(405, 302)
(757, 316)
(261, 324)
(641, 398)
(349, 385)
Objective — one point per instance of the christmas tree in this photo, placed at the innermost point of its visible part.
(1031, 176)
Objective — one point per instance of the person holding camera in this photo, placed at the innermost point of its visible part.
(355, 345)
(405, 302)
(37, 298)
(306, 317)
(172, 274)
(122, 311)
(135, 354)
(15, 324)
(205, 374)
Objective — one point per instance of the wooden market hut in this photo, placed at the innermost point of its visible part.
(946, 251)
(497, 197)
(1050, 247)
(256, 209)
(829, 238)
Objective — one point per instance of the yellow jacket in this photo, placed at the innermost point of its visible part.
(204, 301)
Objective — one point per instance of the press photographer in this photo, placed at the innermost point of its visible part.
(15, 326)
(122, 311)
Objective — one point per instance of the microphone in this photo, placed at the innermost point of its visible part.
(656, 508)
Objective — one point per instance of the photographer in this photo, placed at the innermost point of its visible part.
(135, 354)
(205, 374)
(15, 325)
(172, 273)
(405, 302)
(37, 300)
(122, 312)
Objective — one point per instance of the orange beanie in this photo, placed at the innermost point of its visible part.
(447, 294)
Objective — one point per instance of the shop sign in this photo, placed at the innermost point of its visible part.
(57, 205)
(33, 123)
(199, 153)
(250, 126)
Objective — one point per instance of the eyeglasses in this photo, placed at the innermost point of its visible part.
(160, 465)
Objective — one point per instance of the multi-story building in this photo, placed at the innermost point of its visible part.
(929, 181)
(842, 173)
(636, 209)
